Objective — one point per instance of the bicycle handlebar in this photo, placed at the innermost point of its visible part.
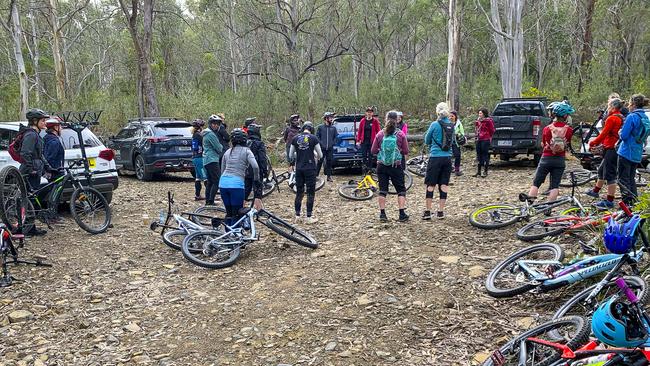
(625, 208)
(620, 282)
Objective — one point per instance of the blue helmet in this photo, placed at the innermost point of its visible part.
(617, 324)
(620, 237)
(562, 109)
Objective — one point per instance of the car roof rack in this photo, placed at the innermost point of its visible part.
(84, 119)
(532, 99)
(155, 119)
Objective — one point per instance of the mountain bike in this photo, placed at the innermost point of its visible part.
(584, 176)
(418, 164)
(272, 181)
(9, 254)
(566, 224)
(221, 247)
(366, 187)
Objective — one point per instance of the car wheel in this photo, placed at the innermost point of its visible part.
(141, 171)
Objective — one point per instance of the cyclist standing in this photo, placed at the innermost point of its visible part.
(440, 137)
(484, 132)
(391, 148)
(257, 147)
(608, 138)
(197, 158)
(327, 134)
(53, 150)
(459, 130)
(634, 133)
(368, 129)
(236, 161)
(291, 131)
(212, 155)
(249, 121)
(304, 151)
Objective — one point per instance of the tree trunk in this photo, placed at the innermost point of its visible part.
(57, 56)
(587, 43)
(36, 55)
(453, 56)
(510, 44)
(17, 35)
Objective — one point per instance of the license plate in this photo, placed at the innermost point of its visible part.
(504, 143)
(92, 163)
(341, 149)
(184, 148)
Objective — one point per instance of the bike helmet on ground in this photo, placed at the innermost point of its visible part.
(255, 130)
(617, 324)
(198, 123)
(215, 119)
(36, 113)
(562, 109)
(620, 237)
(308, 126)
(238, 137)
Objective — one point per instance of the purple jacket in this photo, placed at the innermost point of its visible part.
(402, 143)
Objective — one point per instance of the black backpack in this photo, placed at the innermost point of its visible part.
(447, 136)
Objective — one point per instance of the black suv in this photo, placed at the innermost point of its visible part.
(153, 145)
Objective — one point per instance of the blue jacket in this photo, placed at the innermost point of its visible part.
(633, 135)
(53, 151)
(434, 136)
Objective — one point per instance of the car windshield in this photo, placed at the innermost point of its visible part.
(71, 141)
(346, 124)
(178, 129)
(519, 109)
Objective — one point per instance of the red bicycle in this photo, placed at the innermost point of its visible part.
(557, 225)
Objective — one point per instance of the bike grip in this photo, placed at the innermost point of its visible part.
(625, 208)
(620, 282)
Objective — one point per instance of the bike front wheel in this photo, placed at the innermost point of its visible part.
(582, 177)
(552, 226)
(508, 279)
(174, 238)
(90, 210)
(207, 213)
(495, 216)
(287, 230)
(417, 165)
(320, 183)
(13, 194)
(211, 249)
(353, 192)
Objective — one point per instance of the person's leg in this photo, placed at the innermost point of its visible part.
(486, 156)
(397, 178)
(236, 203)
(624, 179)
(212, 169)
(300, 191)
(225, 198)
(540, 176)
(382, 182)
(556, 177)
(365, 157)
(329, 162)
(430, 182)
(443, 186)
(319, 164)
(479, 159)
(310, 182)
(456, 151)
(198, 177)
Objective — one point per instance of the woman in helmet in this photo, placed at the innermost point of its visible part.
(200, 177)
(556, 138)
(212, 154)
(236, 161)
(305, 151)
(53, 150)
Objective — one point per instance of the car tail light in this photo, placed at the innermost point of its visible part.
(159, 164)
(153, 140)
(536, 125)
(107, 154)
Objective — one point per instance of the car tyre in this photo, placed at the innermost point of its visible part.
(141, 171)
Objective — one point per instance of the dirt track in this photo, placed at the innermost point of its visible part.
(372, 294)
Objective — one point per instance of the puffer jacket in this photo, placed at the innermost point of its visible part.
(31, 151)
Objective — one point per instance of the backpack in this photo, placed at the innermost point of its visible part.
(558, 141)
(447, 136)
(389, 152)
(16, 144)
(645, 130)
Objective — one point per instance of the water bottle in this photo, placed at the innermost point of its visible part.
(161, 216)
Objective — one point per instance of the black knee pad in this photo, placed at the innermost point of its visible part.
(429, 194)
(443, 195)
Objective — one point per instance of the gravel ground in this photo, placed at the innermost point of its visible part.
(372, 294)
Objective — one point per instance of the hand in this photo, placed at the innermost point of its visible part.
(257, 203)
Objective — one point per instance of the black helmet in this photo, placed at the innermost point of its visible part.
(198, 123)
(249, 121)
(238, 137)
(328, 114)
(215, 119)
(255, 130)
(308, 126)
(36, 113)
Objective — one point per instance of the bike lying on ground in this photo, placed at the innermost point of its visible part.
(565, 224)
(418, 164)
(366, 187)
(9, 254)
(584, 176)
(221, 246)
(273, 181)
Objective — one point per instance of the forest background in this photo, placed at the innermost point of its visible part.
(270, 58)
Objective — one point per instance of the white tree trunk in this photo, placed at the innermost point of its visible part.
(17, 36)
(57, 56)
(453, 55)
(510, 43)
(35, 53)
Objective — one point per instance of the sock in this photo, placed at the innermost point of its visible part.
(596, 189)
(402, 211)
(382, 212)
(610, 198)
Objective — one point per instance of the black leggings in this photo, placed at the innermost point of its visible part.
(305, 178)
(214, 173)
(328, 155)
(483, 152)
(627, 180)
(456, 150)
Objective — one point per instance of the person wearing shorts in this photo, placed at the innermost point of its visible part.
(608, 138)
(439, 166)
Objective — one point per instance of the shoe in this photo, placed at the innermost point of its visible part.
(591, 193)
(426, 215)
(458, 173)
(403, 217)
(297, 219)
(485, 173)
(604, 205)
(199, 198)
(546, 193)
(329, 179)
(36, 232)
(440, 215)
(478, 171)
(383, 217)
(311, 220)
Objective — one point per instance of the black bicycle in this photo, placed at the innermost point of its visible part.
(9, 254)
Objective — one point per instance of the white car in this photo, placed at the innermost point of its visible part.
(100, 158)
(599, 127)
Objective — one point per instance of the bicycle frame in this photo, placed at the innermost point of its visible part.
(367, 183)
(237, 230)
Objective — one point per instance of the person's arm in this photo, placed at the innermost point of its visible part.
(376, 143)
(262, 162)
(27, 150)
(461, 128)
(224, 164)
(319, 132)
(607, 130)
(490, 126)
(292, 153)
(318, 153)
(285, 134)
(403, 144)
(224, 133)
(428, 136)
(362, 125)
(50, 150)
(629, 126)
(253, 164)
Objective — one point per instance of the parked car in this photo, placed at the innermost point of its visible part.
(519, 123)
(346, 152)
(153, 145)
(99, 157)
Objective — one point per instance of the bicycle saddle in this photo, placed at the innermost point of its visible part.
(523, 197)
(244, 210)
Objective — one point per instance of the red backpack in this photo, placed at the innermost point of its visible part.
(16, 144)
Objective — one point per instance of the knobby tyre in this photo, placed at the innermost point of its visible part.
(211, 211)
(572, 331)
(268, 188)
(582, 177)
(174, 238)
(507, 279)
(320, 183)
(417, 165)
(495, 216)
(287, 230)
(211, 249)
(353, 192)
(13, 194)
(90, 210)
(552, 226)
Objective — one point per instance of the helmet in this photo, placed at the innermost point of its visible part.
(215, 119)
(619, 237)
(551, 105)
(562, 109)
(255, 130)
(294, 116)
(198, 123)
(328, 114)
(54, 121)
(400, 114)
(36, 113)
(308, 126)
(238, 137)
(615, 323)
(249, 121)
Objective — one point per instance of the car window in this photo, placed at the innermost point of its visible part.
(71, 141)
(519, 109)
(126, 133)
(6, 136)
(173, 129)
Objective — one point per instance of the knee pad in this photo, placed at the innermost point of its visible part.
(429, 194)
(443, 195)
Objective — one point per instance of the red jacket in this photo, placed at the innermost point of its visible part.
(547, 136)
(374, 131)
(609, 135)
(484, 129)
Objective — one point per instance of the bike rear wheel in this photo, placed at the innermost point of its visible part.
(268, 188)
(211, 249)
(13, 192)
(287, 230)
(495, 216)
(417, 165)
(320, 183)
(174, 238)
(507, 279)
(211, 211)
(353, 192)
(582, 176)
(552, 226)
(90, 210)
(571, 331)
